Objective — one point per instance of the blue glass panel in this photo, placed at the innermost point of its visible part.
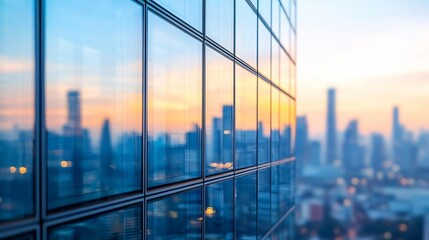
(174, 103)
(264, 202)
(284, 126)
(245, 32)
(219, 211)
(189, 11)
(16, 109)
(124, 224)
(246, 207)
(177, 216)
(219, 113)
(264, 51)
(220, 22)
(93, 99)
(275, 130)
(245, 117)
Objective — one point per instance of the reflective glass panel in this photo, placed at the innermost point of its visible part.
(264, 121)
(284, 126)
(284, 31)
(275, 55)
(219, 113)
(124, 224)
(177, 216)
(245, 32)
(219, 211)
(275, 22)
(284, 71)
(174, 103)
(93, 99)
(189, 11)
(284, 188)
(292, 126)
(292, 79)
(246, 119)
(16, 109)
(275, 130)
(220, 22)
(264, 51)
(265, 10)
(275, 194)
(246, 207)
(264, 201)
(21, 237)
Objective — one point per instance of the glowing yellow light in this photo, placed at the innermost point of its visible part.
(210, 212)
(22, 170)
(12, 169)
(387, 235)
(403, 227)
(63, 164)
(226, 132)
(173, 214)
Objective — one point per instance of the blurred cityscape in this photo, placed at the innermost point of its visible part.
(352, 186)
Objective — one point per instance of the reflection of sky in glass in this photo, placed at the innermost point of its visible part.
(16, 108)
(265, 10)
(245, 38)
(264, 51)
(264, 121)
(220, 22)
(219, 112)
(285, 65)
(189, 11)
(93, 99)
(174, 103)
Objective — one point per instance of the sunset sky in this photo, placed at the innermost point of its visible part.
(375, 53)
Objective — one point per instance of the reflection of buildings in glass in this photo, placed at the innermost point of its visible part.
(220, 151)
(331, 133)
(263, 144)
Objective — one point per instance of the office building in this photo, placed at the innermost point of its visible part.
(134, 119)
(353, 151)
(378, 152)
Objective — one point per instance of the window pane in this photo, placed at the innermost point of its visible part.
(284, 71)
(264, 202)
(275, 54)
(292, 126)
(176, 217)
(264, 121)
(246, 119)
(189, 11)
(16, 109)
(246, 24)
(284, 126)
(219, 112)
(220, 22)
(246, 207)
(28, 236)
(275, 194)
(276, 18)
(275, 131)
(284, 31)
(123, 224)
(265, 10)
(264, 51)
(219, 211)
(93, 99)
(174, 103)
(284, 187)
(293, 79)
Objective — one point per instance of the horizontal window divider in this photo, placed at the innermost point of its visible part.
(18, 227)
(219, 177)
(171, 190)
(282, 161)
(218, 48)
(264, 166)
(245, 171)
(170, 18)
(94, 208)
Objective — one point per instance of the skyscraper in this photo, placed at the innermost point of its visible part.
(396, 135)
(378, 151)
(302, 147)
(353, 155)
(331, 128)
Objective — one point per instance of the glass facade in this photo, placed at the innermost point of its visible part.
(160, 119)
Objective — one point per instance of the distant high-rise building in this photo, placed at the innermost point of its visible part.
(396, 135)
(331, 128)
(315, 153)
(378, 151)
(423, 150)
(302, 151)
(353, 153)
(106, 155)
